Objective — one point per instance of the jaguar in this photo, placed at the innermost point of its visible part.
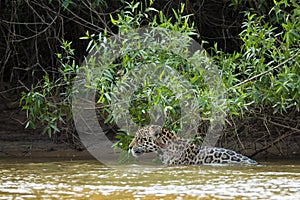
(173, 150)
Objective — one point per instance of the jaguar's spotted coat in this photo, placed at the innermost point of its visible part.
(173, 150)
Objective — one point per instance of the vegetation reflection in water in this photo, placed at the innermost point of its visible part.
(90, 180)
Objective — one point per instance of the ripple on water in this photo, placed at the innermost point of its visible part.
(85, 179)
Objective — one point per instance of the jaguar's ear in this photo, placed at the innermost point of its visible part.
(156, 130)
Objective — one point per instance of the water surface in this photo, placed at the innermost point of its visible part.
(88, 179)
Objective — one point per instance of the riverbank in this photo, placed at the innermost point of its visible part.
(18, 142)
(40, 149)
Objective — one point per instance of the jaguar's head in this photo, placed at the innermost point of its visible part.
(150, 139)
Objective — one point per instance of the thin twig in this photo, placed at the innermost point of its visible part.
(40, 32)
(281, 125)
(284, 126)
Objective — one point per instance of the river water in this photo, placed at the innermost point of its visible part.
(88, 179)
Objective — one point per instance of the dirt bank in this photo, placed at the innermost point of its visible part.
(16, 141)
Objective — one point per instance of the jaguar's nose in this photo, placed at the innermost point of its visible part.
(137, 152)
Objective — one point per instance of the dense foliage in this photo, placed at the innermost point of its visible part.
(263, 73)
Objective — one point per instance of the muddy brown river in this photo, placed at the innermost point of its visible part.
(88, 179)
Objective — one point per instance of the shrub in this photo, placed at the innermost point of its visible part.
(48, 103)
(178, 79)
(264, 74)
